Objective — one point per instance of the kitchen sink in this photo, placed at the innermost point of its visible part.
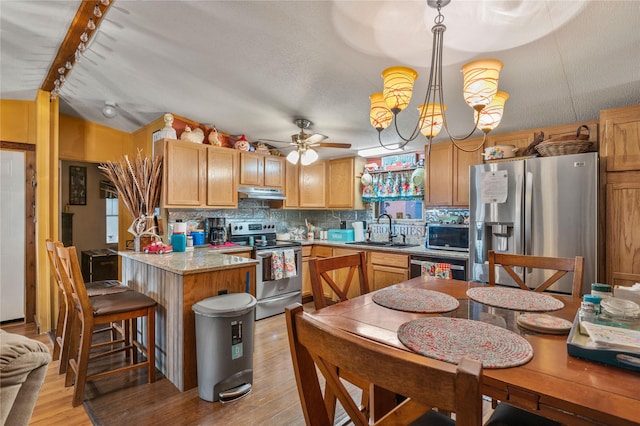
(382, 244)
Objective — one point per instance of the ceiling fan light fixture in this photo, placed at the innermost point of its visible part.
(109, 109)
(308, 157)
(293, 157)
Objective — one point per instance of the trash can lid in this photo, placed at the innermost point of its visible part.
(225, 305)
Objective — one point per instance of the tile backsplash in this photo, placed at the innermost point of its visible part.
(251, 209)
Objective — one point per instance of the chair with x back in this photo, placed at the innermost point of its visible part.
(330, 270)
(338, 272)
(426, 382)
(505, 414)
(125, 306)
(562, 265)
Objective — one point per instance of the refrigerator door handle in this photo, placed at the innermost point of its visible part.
(528, 197)
(517, 226)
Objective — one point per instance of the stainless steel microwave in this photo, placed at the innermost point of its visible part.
(448, 237)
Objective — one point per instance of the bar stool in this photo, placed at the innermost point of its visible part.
(65, 309)
(126, 306)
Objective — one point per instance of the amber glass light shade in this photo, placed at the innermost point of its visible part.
(480, 82)
(491, 115)
(431, 119)
(380, 115)
(398, 87)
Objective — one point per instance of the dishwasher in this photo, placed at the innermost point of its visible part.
(458, 265)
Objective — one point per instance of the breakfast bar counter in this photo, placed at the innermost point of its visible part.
(177, 281)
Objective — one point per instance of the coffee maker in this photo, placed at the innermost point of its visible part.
(217, 230)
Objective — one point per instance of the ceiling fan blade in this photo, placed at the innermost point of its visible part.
(332, 145)
(272, 141)
(316, 137)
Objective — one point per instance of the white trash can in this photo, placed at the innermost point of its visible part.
(224, 346)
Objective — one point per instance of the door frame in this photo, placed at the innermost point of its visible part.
(30, 225)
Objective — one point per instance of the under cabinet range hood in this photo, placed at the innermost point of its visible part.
(256, 192)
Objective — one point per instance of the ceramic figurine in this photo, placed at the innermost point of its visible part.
(168, 132)
(262, 148)
(242, 144)
(215, 138)
(195, 136)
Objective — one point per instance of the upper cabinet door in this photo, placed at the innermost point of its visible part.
(462, 160)
(292, 185)
(184, 174)
(251, 169)
(620, 139)
(274, 171)
(312, 185)
(222, 172)
(440, 175)
(343, 190)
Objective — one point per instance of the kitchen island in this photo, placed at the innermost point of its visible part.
(177, 281)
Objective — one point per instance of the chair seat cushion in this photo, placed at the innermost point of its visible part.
(120, 302)
(433, 418)
(101, 288)
(508, 415)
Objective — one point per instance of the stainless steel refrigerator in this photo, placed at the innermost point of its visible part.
(544, 206)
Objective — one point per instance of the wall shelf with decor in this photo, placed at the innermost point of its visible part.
(406, 184)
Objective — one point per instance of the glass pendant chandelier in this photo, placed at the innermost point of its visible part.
(480, 91)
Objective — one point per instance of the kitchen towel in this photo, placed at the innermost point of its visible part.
(438, 270)
(277, 265)
(289, 263)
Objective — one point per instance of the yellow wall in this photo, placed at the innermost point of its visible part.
(17, 121)
(82, 140)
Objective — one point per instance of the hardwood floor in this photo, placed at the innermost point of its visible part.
(274, 398)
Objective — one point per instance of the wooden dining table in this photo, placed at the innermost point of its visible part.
(552, 384)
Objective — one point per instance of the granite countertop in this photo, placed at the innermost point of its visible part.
(418, 249)
(193, 262)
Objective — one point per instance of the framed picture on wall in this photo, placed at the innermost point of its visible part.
(77, 186)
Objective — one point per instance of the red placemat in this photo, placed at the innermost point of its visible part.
(514, 298)
(415, 300)
(451, 339)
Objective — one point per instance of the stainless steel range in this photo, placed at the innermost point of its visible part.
(272, 292)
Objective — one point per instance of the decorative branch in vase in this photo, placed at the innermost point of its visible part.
(138, 183)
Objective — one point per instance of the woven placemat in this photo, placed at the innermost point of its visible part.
(415, 300)
(451, 339)
(514, 298)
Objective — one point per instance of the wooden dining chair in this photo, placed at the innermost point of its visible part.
(125, 306)
(427, 383)
(321, 269)
(66, 306)
(561, 265)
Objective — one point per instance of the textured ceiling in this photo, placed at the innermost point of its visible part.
(253, 66)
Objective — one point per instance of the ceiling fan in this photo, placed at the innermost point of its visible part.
(304, 144)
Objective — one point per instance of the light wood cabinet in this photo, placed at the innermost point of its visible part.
(312, 185)
(291, 185)
(306, 276)
(197, 176)
(386, 268)
(448, 173)
(261, 170)
(344, 189)
(620, 204)
(184, 173)
(222, 181)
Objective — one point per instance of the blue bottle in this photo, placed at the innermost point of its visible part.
(179, 241)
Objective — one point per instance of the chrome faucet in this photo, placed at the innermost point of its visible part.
(391, 235)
